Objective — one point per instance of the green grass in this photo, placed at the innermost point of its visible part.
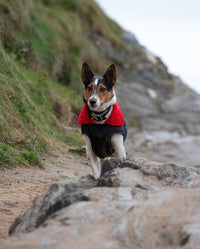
(28, 124)
(10, 157)
(55, 37)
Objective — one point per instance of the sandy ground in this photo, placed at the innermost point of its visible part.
(19, 186)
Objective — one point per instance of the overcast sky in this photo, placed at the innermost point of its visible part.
(170, 29)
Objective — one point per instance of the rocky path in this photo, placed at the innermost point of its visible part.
(135, 204)
(19, 186)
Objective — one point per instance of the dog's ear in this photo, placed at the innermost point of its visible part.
(86, 74)
(110, 75)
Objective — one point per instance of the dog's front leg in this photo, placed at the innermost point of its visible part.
(94, 160)
(117, 142)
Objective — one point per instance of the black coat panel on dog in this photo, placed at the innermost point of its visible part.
(100, 137)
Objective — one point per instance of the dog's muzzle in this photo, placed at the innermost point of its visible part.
(93, 101)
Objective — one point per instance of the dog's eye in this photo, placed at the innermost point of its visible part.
(102, 90)
(89, 88)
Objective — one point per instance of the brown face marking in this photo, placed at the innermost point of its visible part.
(102, 91)
(89, 90)
(103, 94)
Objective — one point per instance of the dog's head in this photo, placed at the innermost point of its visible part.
(99, 93)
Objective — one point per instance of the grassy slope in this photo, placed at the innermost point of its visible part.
(29, 120)
(55, 36)
(43, 43)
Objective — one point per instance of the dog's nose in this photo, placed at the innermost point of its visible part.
(93, 101)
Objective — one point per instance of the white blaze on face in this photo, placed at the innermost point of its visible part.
(94, 96)
(99, 99)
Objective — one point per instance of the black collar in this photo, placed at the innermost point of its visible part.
(99, 116)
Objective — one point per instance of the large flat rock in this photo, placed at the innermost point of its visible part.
(134, 204)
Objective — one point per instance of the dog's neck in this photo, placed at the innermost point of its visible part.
(103, 113)
(101, 117)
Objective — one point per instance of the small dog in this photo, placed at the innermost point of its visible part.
(102, 123)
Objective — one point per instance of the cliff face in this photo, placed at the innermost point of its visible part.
(162, 113)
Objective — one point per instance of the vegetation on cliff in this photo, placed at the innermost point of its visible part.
(43, 45)
(53, 36)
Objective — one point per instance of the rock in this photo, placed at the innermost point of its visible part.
(112, 163)
(61, 194)
(129, 38)
(138, 104)
(182, 103)
(134, 202)
(163, 129)
(166, 220)
(165, 146)
(134, 172)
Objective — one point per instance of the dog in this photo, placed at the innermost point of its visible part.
(102, 122)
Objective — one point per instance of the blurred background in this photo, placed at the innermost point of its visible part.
(170, 29)
(43, 45)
